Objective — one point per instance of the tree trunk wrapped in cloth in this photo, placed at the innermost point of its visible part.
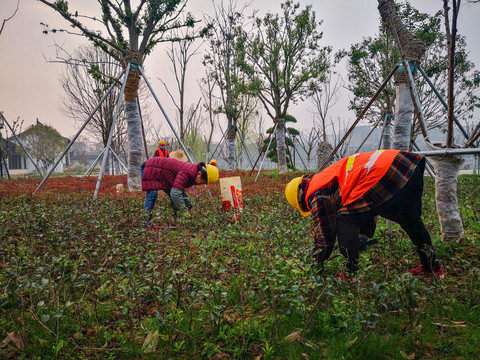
(446, 170)
(134, 122)
(413, 49)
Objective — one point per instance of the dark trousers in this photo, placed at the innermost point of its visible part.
(405, 208)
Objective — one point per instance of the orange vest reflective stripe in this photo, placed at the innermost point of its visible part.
(161, 154)
(355, 174)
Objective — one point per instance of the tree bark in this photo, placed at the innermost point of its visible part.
(281, 149)
(446, 171)
(231, 133)
(403, 117)
(324, 149)
(387, 136)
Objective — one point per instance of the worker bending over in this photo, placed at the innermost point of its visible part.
(173, 177)
(346, 197)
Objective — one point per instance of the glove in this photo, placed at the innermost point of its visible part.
(188, 203)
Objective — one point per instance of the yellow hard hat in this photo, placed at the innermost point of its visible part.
(291, 193)
(213, 162)
(212, 174)
(162, 142)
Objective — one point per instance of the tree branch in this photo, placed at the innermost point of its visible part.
(7, 19)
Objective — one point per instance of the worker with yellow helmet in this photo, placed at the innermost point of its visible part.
(162, 150)
(173, 176)
(347, 196)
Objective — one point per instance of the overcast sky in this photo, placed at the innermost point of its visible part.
(29, 85)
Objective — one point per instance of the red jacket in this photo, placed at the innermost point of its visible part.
(166, 173)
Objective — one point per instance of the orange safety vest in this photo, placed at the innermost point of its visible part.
(356, 174)
(161, 153)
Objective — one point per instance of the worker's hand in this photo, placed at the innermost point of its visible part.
(188, 203)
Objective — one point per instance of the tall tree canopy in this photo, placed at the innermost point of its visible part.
(43, 143)
(370, 61)
(283, 59)
(128, 34)
(222, 61)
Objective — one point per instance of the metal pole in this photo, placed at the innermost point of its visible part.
(245, 147)
(266, 151)
(165, 114)
(78, 133)
(23, 147)
(119, 160)
(294, 152)
(427, 79)
(260, 153)
(414, 93)
(109, 141)
(430, 168)
(92, 166)
(334, 151)
(143, 129)
(368, 135)
(448, 152)
(223, 138)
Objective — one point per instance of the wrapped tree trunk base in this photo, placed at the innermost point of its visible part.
(446, 172)
(281, 150)
(387, 136)
(135, 143)
(231, 149)
(403, 118)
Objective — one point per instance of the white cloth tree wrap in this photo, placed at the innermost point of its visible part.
(446, 172)
(135, 142)
(403, 117)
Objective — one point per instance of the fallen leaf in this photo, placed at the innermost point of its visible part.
(429, 346)
(305, 356)
(150, 342)
(90, 332)
(17, 339)
(313, 346)
(295, 336)
(459, 322)
(411, 356)
(220, 356)
(351, 343)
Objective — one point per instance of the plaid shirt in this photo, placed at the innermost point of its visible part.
(326, 203)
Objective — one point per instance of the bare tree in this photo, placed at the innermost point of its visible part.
(180, 54)
(324, 98)
(210, 104)
(10, 17)
(85, 83)
(339, 128)
(308, 139)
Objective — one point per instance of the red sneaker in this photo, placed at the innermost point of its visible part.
(342, 277)
(420, 270)
(345, 278)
